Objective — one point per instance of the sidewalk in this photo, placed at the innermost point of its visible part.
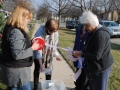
(62, 71)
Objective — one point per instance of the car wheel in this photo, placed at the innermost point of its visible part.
(111, 37)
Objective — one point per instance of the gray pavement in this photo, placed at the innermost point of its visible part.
(115, 40)
(62, 71)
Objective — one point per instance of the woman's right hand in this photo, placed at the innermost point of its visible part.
(76, 53)
(35, 45)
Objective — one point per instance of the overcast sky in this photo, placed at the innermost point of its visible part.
(36, 3)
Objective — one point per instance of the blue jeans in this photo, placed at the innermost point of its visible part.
(26, 87)
(99, 81)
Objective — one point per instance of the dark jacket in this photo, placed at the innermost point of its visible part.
(79, 43)
(97, 51)
(7, 57)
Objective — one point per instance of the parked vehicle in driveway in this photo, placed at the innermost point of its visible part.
(71, 24)
(114, 28)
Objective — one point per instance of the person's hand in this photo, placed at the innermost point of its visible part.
(35, 45)
(58, 58)
(0, 35)
(76, 53)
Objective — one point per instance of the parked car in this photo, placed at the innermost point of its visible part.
(71, 24)
(77, 22)
(113, 27)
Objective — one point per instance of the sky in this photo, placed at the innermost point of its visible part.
(36, 3)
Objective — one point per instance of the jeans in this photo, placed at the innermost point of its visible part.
(99, 81)
(26, 87)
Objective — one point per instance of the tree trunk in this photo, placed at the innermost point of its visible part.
(59, 21)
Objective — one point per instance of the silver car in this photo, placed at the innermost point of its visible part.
(114, 28)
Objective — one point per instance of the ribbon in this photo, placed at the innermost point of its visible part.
(69, 56)
(55, 47)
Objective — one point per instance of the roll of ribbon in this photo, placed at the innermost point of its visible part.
(40, 41)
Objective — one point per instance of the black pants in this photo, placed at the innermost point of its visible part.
(36, 70)
(82, 82)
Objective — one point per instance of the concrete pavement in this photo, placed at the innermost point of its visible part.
(62, 71)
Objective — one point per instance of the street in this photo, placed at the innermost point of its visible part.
(115, 40)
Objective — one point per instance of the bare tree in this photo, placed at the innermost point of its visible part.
(61, 6)
(116, 4)
(104, 5)
(44, 11)
(11, 4)
(74, 12)
(79, 3)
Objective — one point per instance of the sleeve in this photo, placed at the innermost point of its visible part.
(77, 37)
(39, 33)
(100, 41)
(76, 40)
(17, 45)
(56, 39)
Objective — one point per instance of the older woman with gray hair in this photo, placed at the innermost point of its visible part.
(96, 52)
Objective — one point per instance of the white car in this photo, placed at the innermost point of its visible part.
(114, 28)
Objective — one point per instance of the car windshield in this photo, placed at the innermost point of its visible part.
(71, 22)
(110, 24)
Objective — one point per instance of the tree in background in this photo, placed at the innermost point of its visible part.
(44, 11)
(11, 4)
(2, 16)
(73, 13)
(60, 6)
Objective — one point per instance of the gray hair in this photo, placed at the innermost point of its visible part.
(89, 18)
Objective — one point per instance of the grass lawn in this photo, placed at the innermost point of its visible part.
(67, 38)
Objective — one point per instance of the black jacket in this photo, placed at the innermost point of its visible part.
(7, 58)
(97, 51)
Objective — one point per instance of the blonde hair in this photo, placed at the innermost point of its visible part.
(17, 18)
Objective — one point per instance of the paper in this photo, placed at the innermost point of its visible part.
(51, 84)
(78, 73)
(55, 47)
(46, 70)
